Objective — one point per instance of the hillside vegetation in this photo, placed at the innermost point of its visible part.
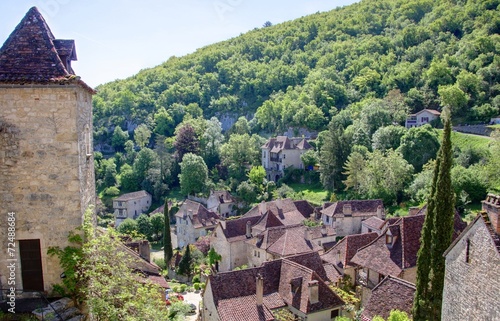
(299, 73)
(351, 75)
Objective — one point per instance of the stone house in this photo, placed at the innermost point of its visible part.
(192, 221)
(472, 279)
(230, 237)
(372, 224)
(346, 216)
(46, 155)
(283, 241)
(394, 252)
(495, 120)
(282, 152)
(257, 293)
(222, 203)
(131, 205)
(390, 294)
(425, 116)
(341, 254)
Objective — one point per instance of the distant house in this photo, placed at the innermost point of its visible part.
(421, 118)
(131, 205)
(472, 279)
(282, 152)
(341, 254)
(192, 221)
(256, 294)
(230, 237)
(372, 224)
(390, 294)
(346, 216)
(222, 203)
(495, 120)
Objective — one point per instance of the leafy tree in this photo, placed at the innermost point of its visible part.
(128, 179)
(454, 98)
(354, 167)
(186, 142)
(388, 137)
(395, 315)
(143, 163)
(247, 192)
(142, 135)
(419, 145)
(257, 175)
(239, 151)
(157, 225)
(185, 263)
(240, 127)
(165, 124)
(144, 226)
(194, 174)
(309, 158)
(128, 227)
(119, 138)
(212, 141)
(168, 252)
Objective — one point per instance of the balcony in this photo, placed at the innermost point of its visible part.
(275, 159)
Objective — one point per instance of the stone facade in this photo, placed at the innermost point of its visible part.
(472, 282)
(130, 205)
(46, 167)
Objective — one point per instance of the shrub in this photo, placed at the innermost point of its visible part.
(196, 279)
(183, 288)
(197, 286)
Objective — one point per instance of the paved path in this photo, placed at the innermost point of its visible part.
(194, 298)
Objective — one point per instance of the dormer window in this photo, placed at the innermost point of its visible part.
(388, 239)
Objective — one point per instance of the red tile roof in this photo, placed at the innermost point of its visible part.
(390, 294)
(234, 292)
(342, 253)
(289, 212)
(31, 54)
(202, 218)
(286, 240)
(358, 207)
(279, 143)
(374, 222)
(236, 229)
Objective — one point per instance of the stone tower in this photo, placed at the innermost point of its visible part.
(46, 161)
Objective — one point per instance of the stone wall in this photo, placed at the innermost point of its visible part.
(472, 289)
(46, 167)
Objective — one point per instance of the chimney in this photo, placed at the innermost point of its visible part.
(323, 230)
(307, 234)
(380, 212)
(144, 250)
(249, 230)
(190, 213)
(492, 207)
(259, 290)
(347, 210)
(184, 211)
(223, 224)
(262, 208)
(313, 291)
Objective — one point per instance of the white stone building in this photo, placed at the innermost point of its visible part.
(421, 118)
(131, 205)
(192, 221)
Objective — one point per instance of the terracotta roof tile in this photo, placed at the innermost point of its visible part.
(201, 217)
(243, 308)
(287, 240)
(358, 207)
(342, 253)
(374, 222)
(390, 294)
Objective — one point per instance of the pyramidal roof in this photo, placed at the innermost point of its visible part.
(31, 54)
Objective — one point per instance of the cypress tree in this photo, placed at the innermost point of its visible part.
(442, 232)
(422, 302)
(436, 234)
(168, 252)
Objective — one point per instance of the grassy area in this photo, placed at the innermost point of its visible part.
(314, 194)
(496, 126)
(464, 141)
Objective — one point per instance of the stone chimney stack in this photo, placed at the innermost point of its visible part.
(380, 212)
(323, 230)
(347, 210)
(259, 290)
(307, 234)
(190, 213)
(249, 230)
(262, 208)
(492, 207)
(223, 224)
(313, 291)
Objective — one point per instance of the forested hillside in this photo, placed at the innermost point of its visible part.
(302, 72)
(352, 75)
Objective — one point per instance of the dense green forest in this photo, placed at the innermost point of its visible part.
(351, 74)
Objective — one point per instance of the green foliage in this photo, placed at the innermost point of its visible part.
(419, 145)
(239, 151)
(186, 141)
(197, 286)
(168, 251)
(283, 314)
(185, 263)
(257, 175)
(194, 174)
(112, 191)
(157, 225)
(309, 158)
(128, 227)
(144, 226)
(119, 138)
(395, 315)
(142, 135)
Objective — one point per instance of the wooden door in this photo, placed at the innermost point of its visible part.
(31, 265)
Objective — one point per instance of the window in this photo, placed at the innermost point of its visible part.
(388, 239)
(284, 156)
(334, 314)
(264, 154)
(88, 141)
(327, 219)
